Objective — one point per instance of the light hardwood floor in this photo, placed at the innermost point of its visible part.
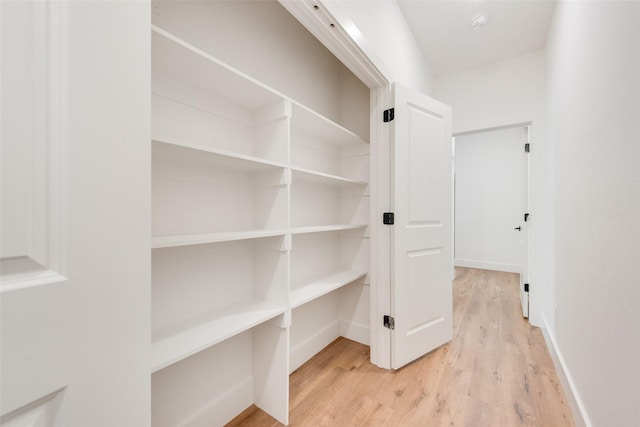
(495, 372)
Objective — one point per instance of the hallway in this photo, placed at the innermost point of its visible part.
(495, 372)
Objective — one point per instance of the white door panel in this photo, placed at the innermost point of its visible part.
(422, 252)
(74, 288)
(488, 199)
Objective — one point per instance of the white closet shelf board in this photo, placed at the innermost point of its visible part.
(220, 159)
(170, 241)
(308, 175)
(326, 228)
(309, 122)
(172, 344)
(311, 291)
(182, 61)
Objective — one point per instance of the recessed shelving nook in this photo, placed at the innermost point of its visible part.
(260, 229)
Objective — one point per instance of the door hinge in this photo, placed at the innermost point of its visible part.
(388, 115)
(389, 322)
(527, 147)
(388, 218)
(526, 287)
(526, 216)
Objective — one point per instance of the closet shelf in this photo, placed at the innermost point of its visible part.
(182, 61)
(325, 228)
(220, 159)
(311, 291)
(172, 344)
(308, 175)
(159, 242)
(307, 121)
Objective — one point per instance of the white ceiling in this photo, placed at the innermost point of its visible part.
(450, 45)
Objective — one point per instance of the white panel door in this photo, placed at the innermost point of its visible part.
(491, 198)
(75, 262)
(489, 195)
(422, 264)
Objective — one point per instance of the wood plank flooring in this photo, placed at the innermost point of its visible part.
(495, 372)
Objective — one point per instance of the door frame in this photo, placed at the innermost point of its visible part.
(338, 33)
(531, 125)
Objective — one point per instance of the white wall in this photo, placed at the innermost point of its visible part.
(594, 107)
(506, 93)
(489, 199)
(354, 103)
(385, 28)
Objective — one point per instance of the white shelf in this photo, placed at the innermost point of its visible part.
(159, 242)
(172, 344)
(326, 228)
(216, 158)
(184, 62)
(323, 178)
(308, 121)
(316, 289)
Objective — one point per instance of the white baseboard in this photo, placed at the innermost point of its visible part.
(486, 265)
(224, 408)
(305, 350)
(355, 332)
(568, 386)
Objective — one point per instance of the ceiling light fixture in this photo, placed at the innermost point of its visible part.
(479, 21)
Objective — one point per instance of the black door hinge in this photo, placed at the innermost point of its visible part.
(526, 217)
(526, 287)
(388, 115)
(527, 147)
(389, 322)
(388, 218)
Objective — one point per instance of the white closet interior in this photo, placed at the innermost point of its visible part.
(260, 249)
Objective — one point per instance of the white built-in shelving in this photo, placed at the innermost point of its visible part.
(324, 178)
(159, 242)
(178, 341)
(260, 206)
(317, 288)
(326, 228)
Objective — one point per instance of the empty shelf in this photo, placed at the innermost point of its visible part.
(325, 228)
(158, 242)
(172, 344)
(313, 290)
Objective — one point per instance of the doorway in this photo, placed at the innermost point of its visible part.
(491, 199)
